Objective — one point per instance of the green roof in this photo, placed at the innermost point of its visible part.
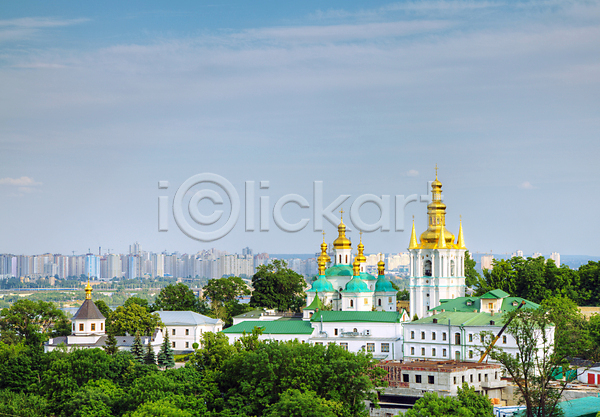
(580, 407)
(272, 327)
(383, 285)
(321, 284)
(250, 314)
(339, 270)
(494, 294)
(315, 304)
(461, 304)
(464, 319)
(357, 316)
(356, 285)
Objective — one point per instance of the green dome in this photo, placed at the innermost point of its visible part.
(322, 285)
(367, 276)
(356, 285)
(383, 285)
(340, 271)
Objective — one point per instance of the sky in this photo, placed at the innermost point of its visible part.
(100, 102)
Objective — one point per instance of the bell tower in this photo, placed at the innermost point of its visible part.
(436, 261)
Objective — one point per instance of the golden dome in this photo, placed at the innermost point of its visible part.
(323, 257)
(361, 258)
(342, 242)
(380, 265)
(356, 268)
(436, 213)
(88, 291)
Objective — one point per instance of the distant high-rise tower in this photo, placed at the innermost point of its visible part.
(555, 256)
(135, 249)
(436, 262)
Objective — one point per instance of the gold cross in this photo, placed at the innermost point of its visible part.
(342, 214)
(436, 168)
(323, 236)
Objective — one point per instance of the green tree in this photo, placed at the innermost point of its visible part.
(222, 294)
(589, 277)
(97, 398)
(466, 404)
(403, 295)
(472, 277)
(137, 300)
(22, 404)
(295, 403)
(278, 287)
(110, 345)
(572, 334)
(178, 297)
(531, 369)
(32, 322)
(137, 349)
(132, 319)
(166, 358)
(104, 308)
(253, 379)
(215, 350)
(150, 358)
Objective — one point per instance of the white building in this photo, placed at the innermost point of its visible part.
(186, 328)
(378, 332)
(436, 262)
(454, 331)
(89, 331)
(555, 256)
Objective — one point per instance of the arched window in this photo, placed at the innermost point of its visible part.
(351, 303)
(457, 338)
(340, 261)
(427, 268)
(379, 302)
(346, 258)
(452, 268)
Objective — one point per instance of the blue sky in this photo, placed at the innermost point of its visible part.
(99, 103)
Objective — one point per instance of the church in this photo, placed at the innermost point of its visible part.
(437, 261)
(345, 285)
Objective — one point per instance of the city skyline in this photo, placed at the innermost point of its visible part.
(100, 104)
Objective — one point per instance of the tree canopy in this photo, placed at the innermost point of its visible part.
(223, 295)
(132, 319)
(466, 404)
(178, 297)
(278, 287)
(32, 322)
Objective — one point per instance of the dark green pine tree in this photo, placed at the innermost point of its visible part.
(150, 357)
(166, 359)
(138, 349)
(110, 346)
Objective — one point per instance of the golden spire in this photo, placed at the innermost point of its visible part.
(380, 265)
(342, 242)
(413, 237)
(88, 290)
(356, 268)
(321, 268)
(441, 244)
(323, 256)
(460, 242)
(361, 258)
(436, 215)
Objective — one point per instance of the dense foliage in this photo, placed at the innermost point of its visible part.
(178, 297)
(278, 287)
(532, 367)
(467, 404)
(250, 378)
(223, 295)
(536, 279)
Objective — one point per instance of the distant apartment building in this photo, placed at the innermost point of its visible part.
(555, 256)
(487, 261)
(536, 255)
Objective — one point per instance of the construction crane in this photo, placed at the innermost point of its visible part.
(498, 335)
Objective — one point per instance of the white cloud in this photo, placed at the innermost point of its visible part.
(526, 186)
(26, 27)
(25, 182)
(412, 173)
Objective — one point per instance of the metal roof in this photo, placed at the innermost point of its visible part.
(88, 311)
(358, 316)
(185, 318)
(272, 327)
